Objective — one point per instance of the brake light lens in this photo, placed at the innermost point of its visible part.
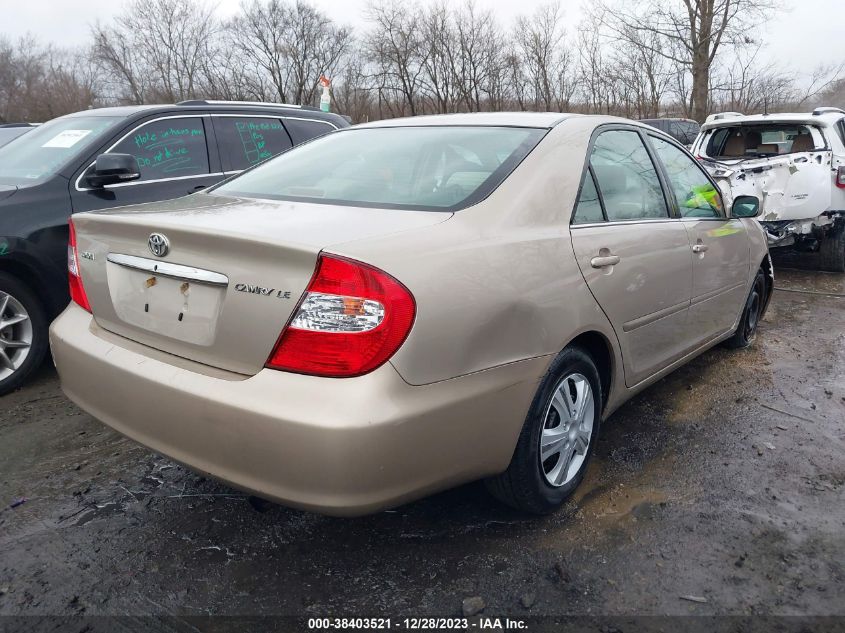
(351, 320)
(840, 177)
(77, 290)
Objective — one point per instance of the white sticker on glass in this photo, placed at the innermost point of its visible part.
(68, 138)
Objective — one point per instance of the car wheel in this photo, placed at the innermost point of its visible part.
(23, 333)
(746, 332)
(557, 438)
(832, 251)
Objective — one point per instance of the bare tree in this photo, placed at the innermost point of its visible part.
(689, 33)
(540, 42)
(40, 82)
(439, 38)
(291, 44)
(397, 48)
(164, 59)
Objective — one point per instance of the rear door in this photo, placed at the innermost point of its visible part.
(173, 157)
(634, 256)
(720, 248)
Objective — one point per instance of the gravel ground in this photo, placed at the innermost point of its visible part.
(717, 491)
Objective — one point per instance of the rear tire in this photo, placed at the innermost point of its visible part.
(540, 486)
(23, 333)
(832, 251)
(746, 332)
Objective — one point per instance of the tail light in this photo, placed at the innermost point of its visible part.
(77, 290)
(840, 177)
(351, 320)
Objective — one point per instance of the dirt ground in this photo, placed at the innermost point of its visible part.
(717, 491)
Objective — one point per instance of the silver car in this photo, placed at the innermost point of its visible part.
(407, 305)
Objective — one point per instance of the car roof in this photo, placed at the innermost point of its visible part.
(668, 118)
(504, 119)
(211, 107)
(808, 118)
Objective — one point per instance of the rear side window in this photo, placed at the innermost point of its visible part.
(588, 209)
(168, 148)
(626, 177)
(302, 130)
(840, 128)
(694, 193)
(246, 141)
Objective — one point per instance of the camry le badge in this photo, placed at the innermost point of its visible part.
(261, 290)
(159, 245)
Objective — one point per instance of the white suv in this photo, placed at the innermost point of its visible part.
(795, 165)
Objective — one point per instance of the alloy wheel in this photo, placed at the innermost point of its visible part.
(567, 430)
(15, 334)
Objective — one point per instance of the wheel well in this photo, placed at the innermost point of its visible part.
(26, 275)
(597, 346)
(768, 270)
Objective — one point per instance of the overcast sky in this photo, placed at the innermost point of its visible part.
(806, 34)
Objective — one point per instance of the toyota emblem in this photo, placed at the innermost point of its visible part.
(159, 245)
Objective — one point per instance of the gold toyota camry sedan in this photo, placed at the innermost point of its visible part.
(403, 306)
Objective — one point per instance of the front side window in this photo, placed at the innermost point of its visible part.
(427, 167)
(694, 193)
(247, 141)
(167, 148)
(626, 177)
(43, 151)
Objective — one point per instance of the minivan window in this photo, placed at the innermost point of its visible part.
(167, 148)
(246, 141)
(427, 168)
(626, 177)
(42, 152)
(694, 193)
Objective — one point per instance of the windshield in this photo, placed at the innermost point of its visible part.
(761, 140)
(41, 152)
(427, 168)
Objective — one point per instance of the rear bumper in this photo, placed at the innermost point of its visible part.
(336, 446)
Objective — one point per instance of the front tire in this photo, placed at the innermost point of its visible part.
(557, 438)
(23, 333)
(746, 332)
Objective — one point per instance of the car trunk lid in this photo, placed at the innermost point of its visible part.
(232, 274)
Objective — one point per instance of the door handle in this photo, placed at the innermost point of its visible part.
(604, 261)
(197, 188)
(700, 248)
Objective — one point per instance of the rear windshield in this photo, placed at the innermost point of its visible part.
(426, 168)
(40, 153)
(760, 140)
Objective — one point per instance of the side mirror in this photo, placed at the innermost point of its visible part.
(745, 207)
(110, 169)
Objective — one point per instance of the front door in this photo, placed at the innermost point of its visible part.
(720, 260)
(635, 258)
(172, 153)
